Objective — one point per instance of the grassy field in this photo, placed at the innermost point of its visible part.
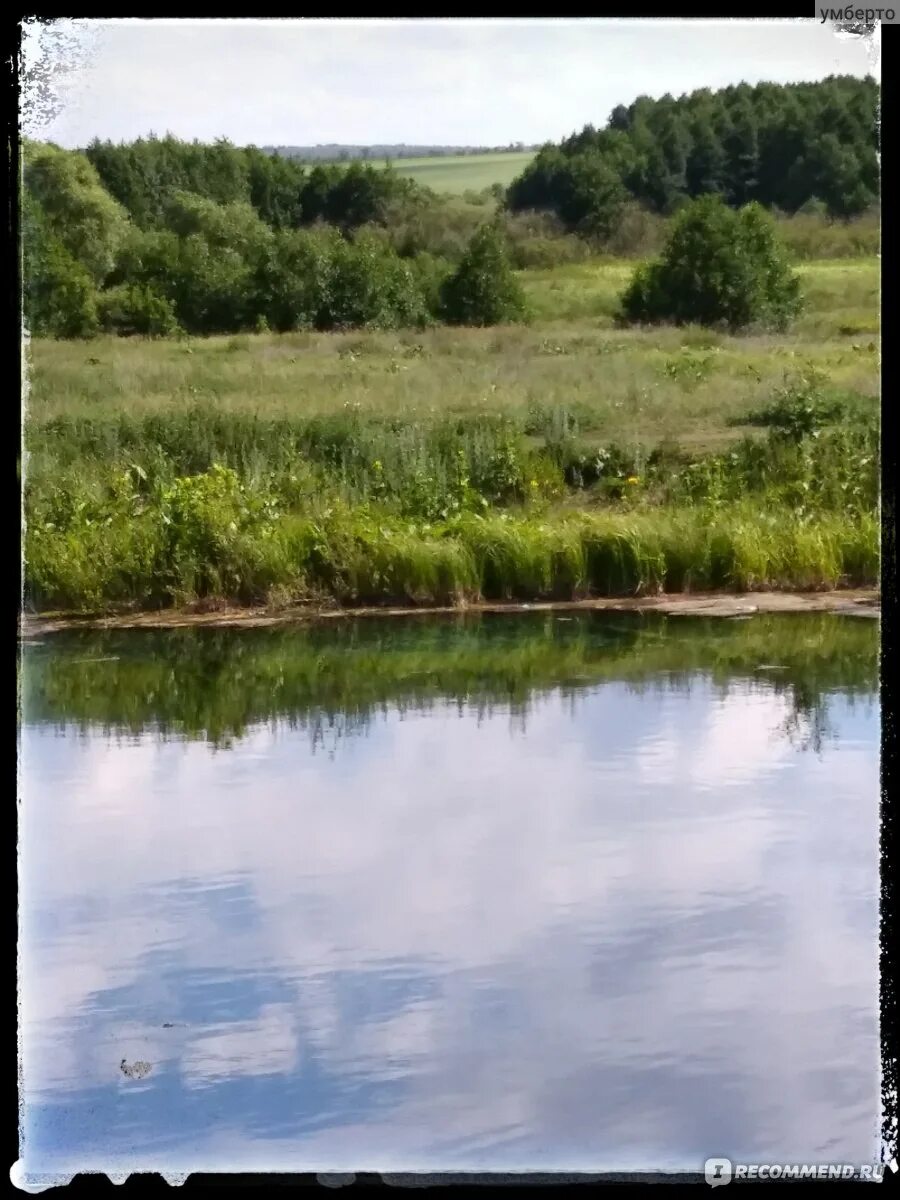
(624, 385)
(562, 458)
(463, 172)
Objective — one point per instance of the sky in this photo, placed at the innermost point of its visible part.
(450, 81)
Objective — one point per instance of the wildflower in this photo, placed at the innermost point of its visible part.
(632, 479)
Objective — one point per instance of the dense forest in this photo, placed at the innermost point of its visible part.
(784, 145)
(160, 235)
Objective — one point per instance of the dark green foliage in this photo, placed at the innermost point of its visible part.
(291, 277)
(582, 188)
(142, 175)
(351, 196)
(60, 299)
(274, 185)
(206, 265)
(777, 144)
(74, 208)
(369, 286)
(136, 309)
(59, 296)
(720, 267)
(213, 243)
(483, 290)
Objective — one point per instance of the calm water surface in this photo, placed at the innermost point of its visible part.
(536, 892)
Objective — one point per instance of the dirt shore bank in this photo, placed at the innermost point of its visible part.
(857, 602)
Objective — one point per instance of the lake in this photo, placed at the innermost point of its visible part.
(577, 892)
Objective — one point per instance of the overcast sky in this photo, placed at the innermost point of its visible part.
(485, 82)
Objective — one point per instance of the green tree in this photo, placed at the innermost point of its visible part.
(833, 172)
(77, 211)
(591, 197)
(483, 290)
(274, 185)
(720, 267)
(292, 278)
(583, 188)
(59, 298)
(205, 264)
(706, 165)
(742, 150)
(747, 143)
(538, 185)
(369, 285)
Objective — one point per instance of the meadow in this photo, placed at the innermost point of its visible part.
(563, 457)
(642, 386)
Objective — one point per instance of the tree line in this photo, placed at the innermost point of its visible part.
(784, 146)
(188, 248)
(159, 235)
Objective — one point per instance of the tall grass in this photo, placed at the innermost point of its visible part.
(357, 556)
(557, 460)
(821, 450)
(641, 385)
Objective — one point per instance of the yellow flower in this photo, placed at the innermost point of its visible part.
(632, 479)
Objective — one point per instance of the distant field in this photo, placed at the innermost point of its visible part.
(464, 172)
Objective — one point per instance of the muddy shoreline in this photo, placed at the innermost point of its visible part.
(863, 602)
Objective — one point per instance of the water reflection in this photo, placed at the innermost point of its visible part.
(528, 921)
(334, 679)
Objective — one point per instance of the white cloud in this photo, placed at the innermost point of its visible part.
(264, 1046)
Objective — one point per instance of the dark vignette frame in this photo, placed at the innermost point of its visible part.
(369, 1182)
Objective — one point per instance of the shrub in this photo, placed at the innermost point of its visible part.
(439, 225)
(136, 309)
(637, 233)
(483, 290)
(799, 409)
(59, 297)
(368, 285)
(809, 235)
(719, 267)
(538, 240)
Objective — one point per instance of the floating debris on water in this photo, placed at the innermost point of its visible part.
(135, 1070)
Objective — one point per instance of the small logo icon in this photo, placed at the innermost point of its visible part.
(717, 1171)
